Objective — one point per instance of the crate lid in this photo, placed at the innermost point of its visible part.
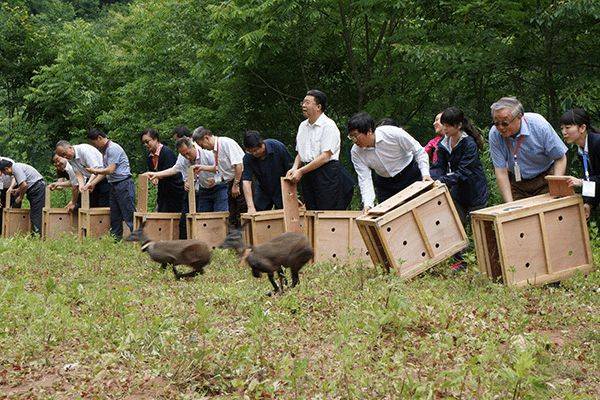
(559, 186)
(414, 190)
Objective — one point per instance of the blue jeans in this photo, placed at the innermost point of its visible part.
(213, 199)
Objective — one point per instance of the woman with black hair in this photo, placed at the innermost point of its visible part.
(576, 128)
(458, 164)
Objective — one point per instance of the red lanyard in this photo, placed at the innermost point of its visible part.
(217, 152)
(515, 151)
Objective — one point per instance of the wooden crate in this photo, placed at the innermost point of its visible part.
(57, 221)
(14, 220)
(92, 222)
(159, 225)
(413, 230)
(533, 241)
(262, 226)
(209, 227)
(336, 236)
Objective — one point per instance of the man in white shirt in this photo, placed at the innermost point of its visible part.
(324, 182)
(80, 157)
(396, 157)
(6, 182)
(65, 170)
(228, 167)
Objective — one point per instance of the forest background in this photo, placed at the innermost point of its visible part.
(67, 65)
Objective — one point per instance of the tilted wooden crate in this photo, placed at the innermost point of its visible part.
(159, 225)
(413, 230)
(14, 220)
(262, 226)
(57, 221)
(336, 236)
(532, 241)
(209, 227)
(92, 222)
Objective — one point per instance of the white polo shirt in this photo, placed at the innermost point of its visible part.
(203, 157)
(229, 154)
(314, 139)
(394, 150)
(86, 156)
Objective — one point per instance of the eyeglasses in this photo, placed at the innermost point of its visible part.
(504, 124)
(353, 138)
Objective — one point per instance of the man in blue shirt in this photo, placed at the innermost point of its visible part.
(524, 149)
(118, 175)
(266, 160)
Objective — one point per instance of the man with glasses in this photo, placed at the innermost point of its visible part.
(324, 182)
(524, 149)
(266, 161)
(397, 159)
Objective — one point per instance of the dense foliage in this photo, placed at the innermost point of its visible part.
(244, 64)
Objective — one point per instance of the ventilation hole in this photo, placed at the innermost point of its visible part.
(389, 229)
(527, 265)
(333, 230)
(333, 255)
(439, 202)
(437, 245)
(521, 235)
(268, 226)
(23, 216)
(204, 224)
(60, 218)
(570, 252)
(437, 222)
(367, 252)
(213, 247)
(560, 218)
(99, 221)
(423, 254)
(405, 243)
(159, 229)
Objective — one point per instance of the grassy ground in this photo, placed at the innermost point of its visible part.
(99, 320)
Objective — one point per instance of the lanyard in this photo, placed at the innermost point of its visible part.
(514, 151)
(217, 153)
(586, 160)
(104, 155)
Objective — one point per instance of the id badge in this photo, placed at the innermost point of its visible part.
(517, 171)
(1, 185)
(588, 189)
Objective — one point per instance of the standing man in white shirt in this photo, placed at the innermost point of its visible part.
(396, 157)
(228, 167)
(80, 157)
(324, 182)
(6, 182)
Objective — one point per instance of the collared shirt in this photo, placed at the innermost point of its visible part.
(446, 141)
(5, 179)
(155, 155)
(229, 153)
(541, 146)
(71, 172)
(203, 157)
(314, 139)
(86, 156)
(26, 173)
(394, 150)
(269, 170)
(114, 154)
(580, 151)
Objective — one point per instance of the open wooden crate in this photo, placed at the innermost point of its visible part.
(92, 222)
(159, 225)
(413, 230)
(14, 220)
(209, 227)
(533, 241)
(336, 236)
(57, 221)
(262, 226)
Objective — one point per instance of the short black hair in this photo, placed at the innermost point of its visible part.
(252, 139)
(320, 98)
(387, 122)
(181, 131)
(5, 164)
(153, 133)
(95, 133)
(362, 122)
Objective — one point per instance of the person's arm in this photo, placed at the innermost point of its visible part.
(321, 160)
(110, 169)
(410, 144)
(74, 197)
(463, 172)
(205, 168)
(59, 184)
(503, 184)
(20, 190)
(247, 187)
(295, 166)
(560, 166)
(365, 181)
(235, 189)
(164, 173)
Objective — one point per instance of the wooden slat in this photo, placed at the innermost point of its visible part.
(545, 243)
(85, 200)
(142, 193)
(291, 208)
(191, 191)
(401, 197)
(419, 223)
(559, 186)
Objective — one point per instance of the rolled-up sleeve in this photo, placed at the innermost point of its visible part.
(247, 173)
(498, 150)
(365, 181)
(555, 148)
(331, 139)
(18, 174)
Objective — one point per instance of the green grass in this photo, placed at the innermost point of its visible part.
(99, 320)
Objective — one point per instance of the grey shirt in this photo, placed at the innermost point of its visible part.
(5, 180)
(86, 156)
(26, 173)
(114, 154)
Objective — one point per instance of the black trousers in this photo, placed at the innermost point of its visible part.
(237, 205)
(36, 194)
(329, 187)
(387, 187)
(122, 206)
(100, 196)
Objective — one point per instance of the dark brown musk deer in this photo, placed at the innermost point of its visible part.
(191, 252)
(291, 250)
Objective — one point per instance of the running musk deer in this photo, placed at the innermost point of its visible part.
(193, 253)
